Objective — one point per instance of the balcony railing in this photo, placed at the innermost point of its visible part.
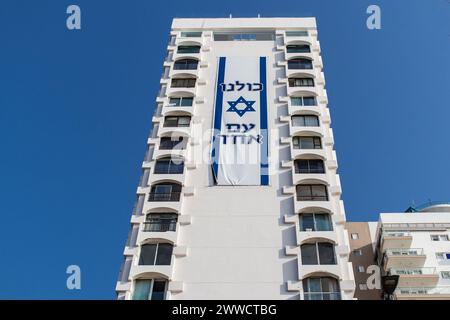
(404, 252)
(164, 196)
(159, 226)
(413, 271)
(322, 295)
(312, 198)
(396, 234)
(423, 291)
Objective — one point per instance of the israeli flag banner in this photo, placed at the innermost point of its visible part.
(240, 144)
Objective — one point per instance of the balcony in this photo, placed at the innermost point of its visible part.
(152, 230)
(404, 258)
(416, 277)
(164, 196)
(423, 293)
(395, 240)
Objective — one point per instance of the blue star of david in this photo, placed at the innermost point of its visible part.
(240, 112)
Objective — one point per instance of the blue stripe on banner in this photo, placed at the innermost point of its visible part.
(218, 118)
(263, 124)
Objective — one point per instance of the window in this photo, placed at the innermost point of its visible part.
(307, 143)
(183, 83)
(445, 274)
(169, 166)
(160, 222)
(439, 237)
(149, 289)
(155, 254)
(165, 192)
(357, 252)
(309, 166)
(302, 33)
(188, 49)
(300, 63)
(248, 36)
(301, 82)
(181, 102)
(191, 34)
(361, 269)
(298, 48)
(177, 121)
(303, 101)
(312, 192)
(355, 236)
(325, 288)
(185, 64)
(315, 222)
(305, 121)
(442, 255)
(363, 286)
(318, 253)
(171, 143)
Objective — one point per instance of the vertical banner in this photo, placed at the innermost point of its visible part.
(240, 144)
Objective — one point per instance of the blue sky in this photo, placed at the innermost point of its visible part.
(75, 111)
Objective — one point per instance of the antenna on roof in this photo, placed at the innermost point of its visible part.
(259, 16)
(231, 16)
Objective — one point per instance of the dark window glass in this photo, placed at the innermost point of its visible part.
(309, 254)
(325, 288)
(326, 253)
(298, 48)
(302, 33)
(155, 254)
(301, 82)
(299, 63)
(188, 49)
(307, 222)
(181, 102)
(165, 192)
(169, 166)
(312, 192)
(309, 166)
(307, 143)
(305, 121)
(318, 253)
(164, 254)
(323, 222)
(160, 222)
(309, 101)
(191, 34)
(183, 83)
(185, 64)
(148, 253)
(170, 143)
(315, 222)
(177, 121)
(159, 290)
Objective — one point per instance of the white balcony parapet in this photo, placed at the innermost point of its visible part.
(175, 286)
(184, 219)
(290, 219)
(180, 251)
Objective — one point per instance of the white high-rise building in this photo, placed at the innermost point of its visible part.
(415, 245)
(254, 213)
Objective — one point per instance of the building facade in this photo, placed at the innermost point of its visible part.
(269, 225)
(362, 256)
(415, 246)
